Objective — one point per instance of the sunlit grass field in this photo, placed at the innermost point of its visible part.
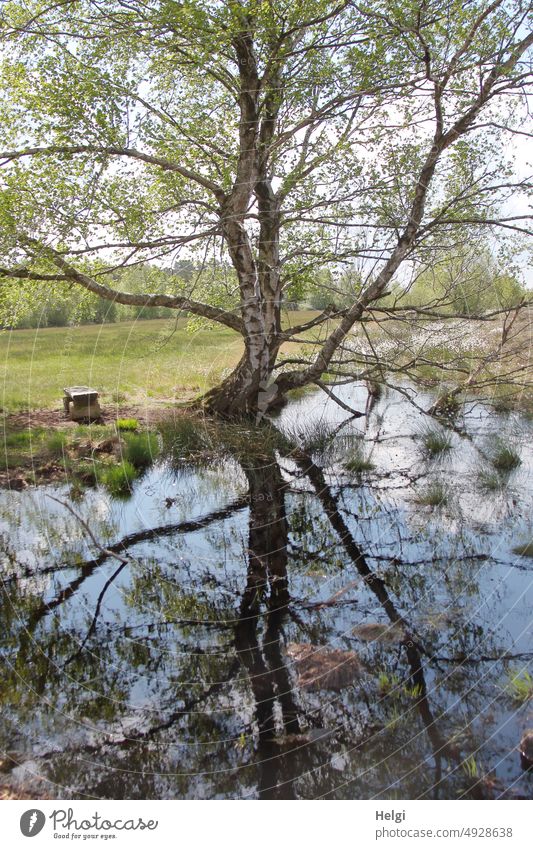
(137, 362)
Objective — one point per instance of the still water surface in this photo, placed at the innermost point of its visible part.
(279, 627)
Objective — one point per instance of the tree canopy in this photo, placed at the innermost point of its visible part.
(290, 139)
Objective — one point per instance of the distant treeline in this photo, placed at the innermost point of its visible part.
(469, 284)
(25, 304)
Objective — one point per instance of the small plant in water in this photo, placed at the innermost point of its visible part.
(435, 441)
(470, 767)
(490, 480)
(141, 449)
(433, 495)
(446, 406)
(357, 461)
(312, 436)
(520, 686)
(118, 479)
(414, 692)
(387, 683)
(504, 456)
(525, 550)
(127, 424)
(185, 437)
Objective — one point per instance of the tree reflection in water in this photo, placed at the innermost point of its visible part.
(172, 675)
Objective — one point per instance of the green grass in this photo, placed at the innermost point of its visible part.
(32, 449)
(503, 456)
(490, 480)
(56, 443)
(141, 449)
(524, 550)
(357, 461)
(520, 686)
(118, 479)
(128, 361)
(31, 446)
(433, 495)
(127, 424)
(435, 441)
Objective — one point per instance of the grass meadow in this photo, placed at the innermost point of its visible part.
(136, 362)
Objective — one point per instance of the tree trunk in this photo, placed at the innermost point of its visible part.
(247, 391)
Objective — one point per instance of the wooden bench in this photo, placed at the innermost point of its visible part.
(81, 402)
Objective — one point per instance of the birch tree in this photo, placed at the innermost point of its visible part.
(286, 136)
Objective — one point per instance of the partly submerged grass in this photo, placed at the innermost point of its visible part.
(503, 455)
(492, 480)
(190, 438)
(311, 436)
(520, 686)
(357, 461)
(118, 480)
(470, 767)
(186, 436)
(433, 495)
(435, 441)
(524, 550)
(141, 449)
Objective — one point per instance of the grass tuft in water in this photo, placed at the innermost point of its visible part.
(185, 437)
(433, 495)
(357, 461)
(312, 437)
(490, 480)
(141, 449)
(503, 456)
(524, 550)
(127, 424)
(118, 479)
(520, 686)
(388, 683)
(435, 441)
(447, 406)
(470, 766)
